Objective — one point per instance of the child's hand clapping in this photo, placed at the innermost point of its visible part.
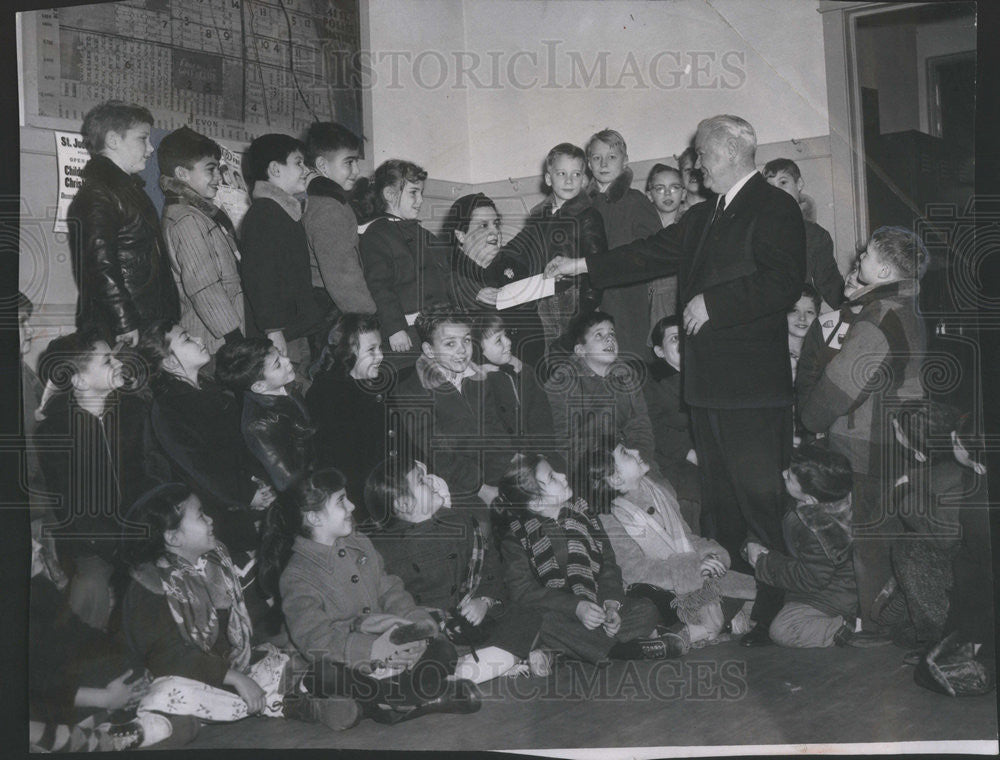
(590, 614)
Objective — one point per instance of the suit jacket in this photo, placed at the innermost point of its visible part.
(750, 265)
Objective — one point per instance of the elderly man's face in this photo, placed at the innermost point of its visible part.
(713, 162)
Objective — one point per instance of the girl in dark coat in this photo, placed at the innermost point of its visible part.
(445, 559)
(404, 264)
(520, 404)
(347, 401)
(197, 425)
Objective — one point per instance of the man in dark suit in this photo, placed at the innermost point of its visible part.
(741, 266)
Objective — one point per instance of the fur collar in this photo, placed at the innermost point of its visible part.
(291, 205)
(830, 522)
(432, 377)
(103, 169)
(326, 188)
(175, 191)
(617, 189)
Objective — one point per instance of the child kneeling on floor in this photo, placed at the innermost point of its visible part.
(557, 558)
(821, 598)
(185, 617)
(368, 638)
(446, 561)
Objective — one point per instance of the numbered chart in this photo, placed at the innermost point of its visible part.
(232, 69)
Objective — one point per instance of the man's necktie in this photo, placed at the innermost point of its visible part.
(719, 209)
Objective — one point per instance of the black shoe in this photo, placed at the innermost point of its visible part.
(463, 697)
(405, 634)
(756, 637)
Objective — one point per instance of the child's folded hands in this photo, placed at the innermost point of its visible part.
(590, 614)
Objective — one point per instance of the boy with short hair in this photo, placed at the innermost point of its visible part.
(821, 265)
(885, 338)
(817, 573)
(331, 225)
(596, 393)
(670, 418)
(627, 215)
(105, 469)
(275, 270)
(446, 406)
(564, 224)
(201, 239)
(275, 421)
(118, 255)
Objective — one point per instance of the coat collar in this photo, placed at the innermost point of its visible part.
(432, 378)
(324, 555)
(176, 192)
(899, 289)
(265, 189)
(572, 207)
(617, 189)
(326, 188)
(103, 169)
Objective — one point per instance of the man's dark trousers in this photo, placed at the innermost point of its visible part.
(741, 455)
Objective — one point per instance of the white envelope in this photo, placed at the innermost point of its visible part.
(523, 291)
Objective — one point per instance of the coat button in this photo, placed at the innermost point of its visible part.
(366, 610)
(342, 553)
(379, 396)
(651, 510)
(355, 578)
(363, 559)
(391, 433)
(453, 555)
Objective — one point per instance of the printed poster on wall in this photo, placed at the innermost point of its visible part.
(71, 157)
(233, 196)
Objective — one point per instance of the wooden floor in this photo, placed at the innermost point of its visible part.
(719, 695)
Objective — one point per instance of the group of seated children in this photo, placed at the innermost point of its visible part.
(526, 483)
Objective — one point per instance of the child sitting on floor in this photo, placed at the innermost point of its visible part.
(821, 597)
(348, 401)
(275, 423)
(184, 616)
(557, 557)
(661, 558)
(444, 559)
(345, 613)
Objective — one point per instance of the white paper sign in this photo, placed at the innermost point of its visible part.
(523, 291)
(71, 157)
(233, 196)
